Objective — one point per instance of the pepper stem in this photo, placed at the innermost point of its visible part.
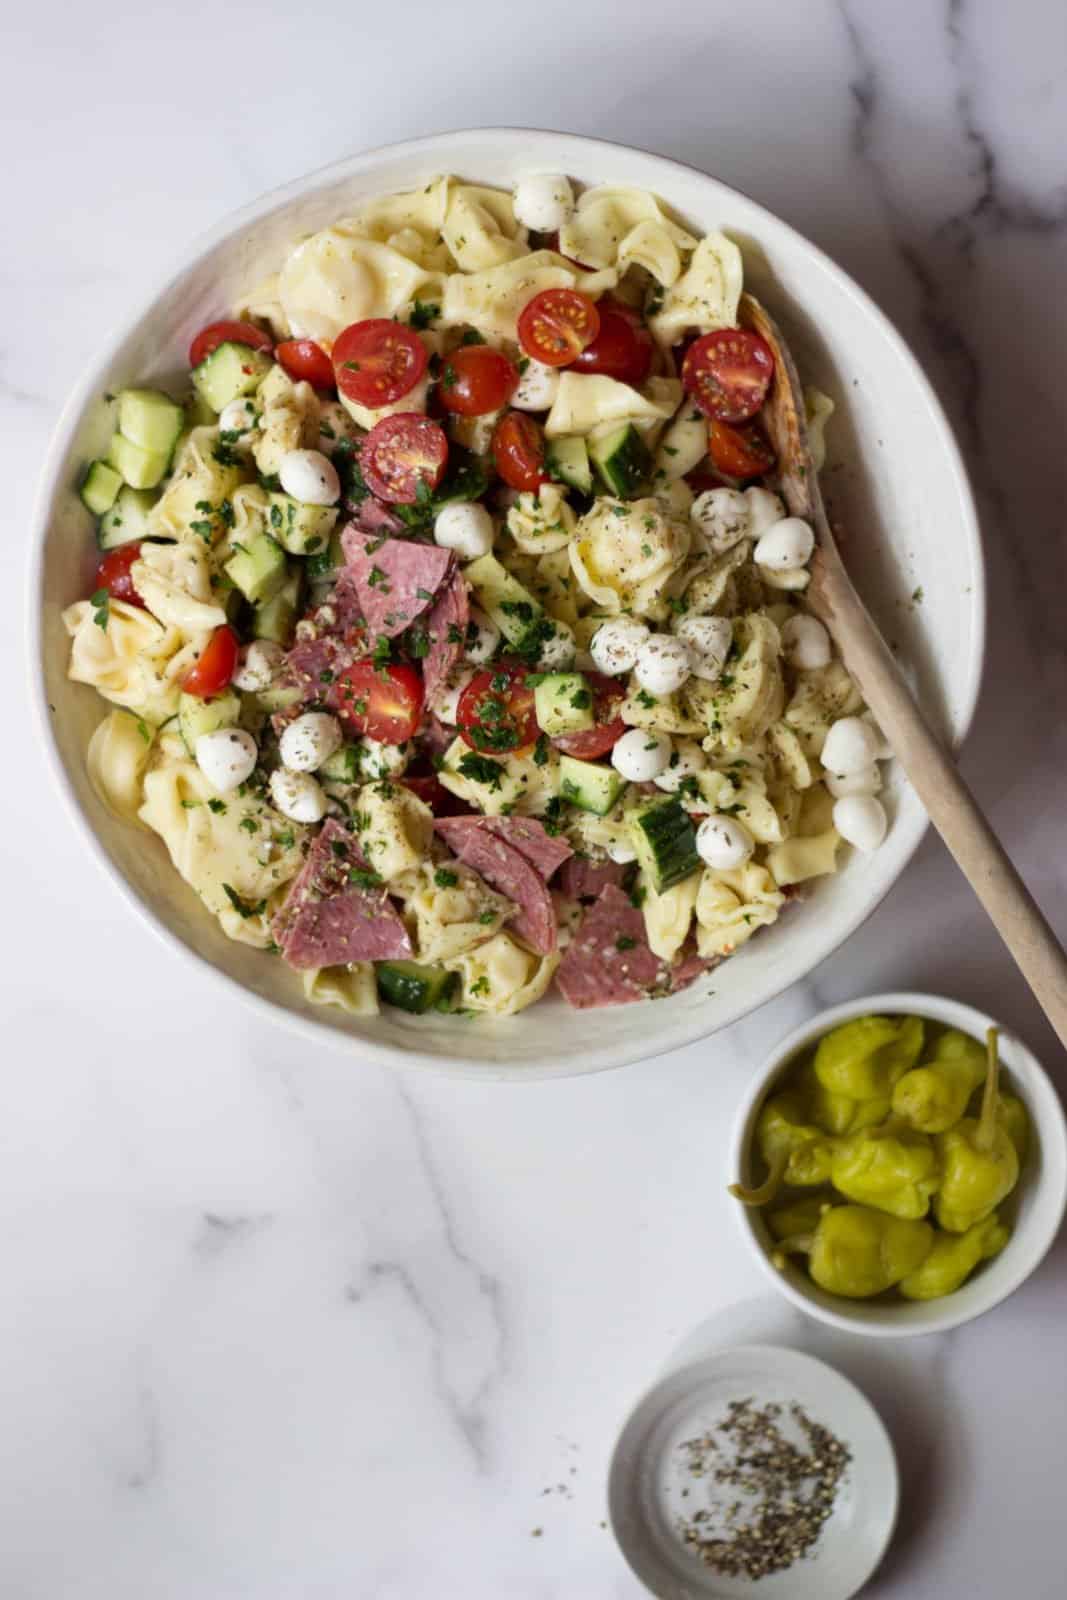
(765, 1192)
(796, 1244)
(987, 1121)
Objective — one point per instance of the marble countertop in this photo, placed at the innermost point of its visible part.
(279, 1325)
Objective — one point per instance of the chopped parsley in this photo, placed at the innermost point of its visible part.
(100, 602)
(445, 878)
(423, 312)
(242, 907)
(217, 806)
(624, 942)
(480, 769)
(486, 918)
(540, 753)
(364, 878)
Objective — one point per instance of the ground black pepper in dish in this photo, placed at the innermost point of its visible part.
(769, 1496)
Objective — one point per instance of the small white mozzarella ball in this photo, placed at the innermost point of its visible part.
(764, 510)
(867, 781)
(310, 477)
(850, 746)
(663, 664)
(297, 795)
(239, 417)
(226, 757)
(258, 665)
(558, 650)
(787, 544)
(723, 843)
(537, 387)
(686, 761)
(708, 640)
(615, 645)
(884, 751)
(378, 760)
(640, 756)
(444, 704)
(543, 201)
(621, 853)
(806, 643)
(723, 517)
(309, 740)
(465, 528)
(483, 636)
(860, 820)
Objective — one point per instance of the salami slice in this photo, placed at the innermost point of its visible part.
(542, 850)
(582, 879)
(446, 628)
(609, 962)
(395, 579)
(327, 920)
(375, 517)
(508, 871)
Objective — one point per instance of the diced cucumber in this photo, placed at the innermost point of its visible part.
(276, 618)
(326, 564)
(102, 484)
(684, 445)
(621, 459)
(301, 529)
(198, 414)
(258, 568)
(279, 697)
(196, 716)
(563, 703)
(150, 419)
(511, 606)
(413, 987)
(590, 785)
(229, 371)
(568, 460)
(664, 841)
(344, 766)
(125, 520)
(140, 468)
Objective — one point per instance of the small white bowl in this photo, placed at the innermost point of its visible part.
(1036, 1206)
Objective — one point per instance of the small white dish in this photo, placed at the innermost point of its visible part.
(647, 1475)
(1035, 1208)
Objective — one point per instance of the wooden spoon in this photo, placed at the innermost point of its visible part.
(949, 803)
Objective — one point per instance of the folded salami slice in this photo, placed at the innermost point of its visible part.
(582, 879)
(506, 869)
(542, 850)
(332, 916)
(609, 962)
(395, 579)
(446, 628)
(375, 517)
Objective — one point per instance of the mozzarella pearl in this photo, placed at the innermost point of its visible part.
(537, 387)
(258, 666)
(686, 761)
(663, 664)
(723, 843)
(378, 760)
(764, 510)
(558, 650)
(723, 517)
(867, 781)
(640, 756)
(226, 757)
(787, 544)
(543, 201)
(310, 477)
(806, 643)
(309, 740)
(851, 745)
(444, 704)
(615, 645)
(483, 636)
(239, 417)
(297, 795)
(860, 820)
(708, 640)
(467, 529)
(621, 853)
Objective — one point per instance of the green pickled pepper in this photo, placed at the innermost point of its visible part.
(857, 1252)
(862, 1059)
(892, 1168)
(979, 1161)
(1015, 1120)
(797, 1217)
(934, 1096)
(952, 1259)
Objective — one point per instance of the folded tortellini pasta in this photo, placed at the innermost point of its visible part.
(132, 660)
(732, 906)
(174, 581)
(352, 988)
(289, 419)
(586, 401)
(450, 909)
(619, 226)
(116, 760)
(340, 276)
(205, 475)
(669, 915)
(624, 552)
(706, 296)
(542, 521)
(501, 977)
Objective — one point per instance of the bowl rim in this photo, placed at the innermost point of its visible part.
(1052, 1177)
(437, 147)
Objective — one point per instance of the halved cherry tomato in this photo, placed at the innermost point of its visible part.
(496, 710)
(728, 373)
(216, 666)
(476, 379)
(622, 349)
(518, 449)
(608, 729)
(378, 361)
(557, 325)
(383, 702)
(399, 453)
(216, 333)
(113, 574)
(744, 452)
(306, 362)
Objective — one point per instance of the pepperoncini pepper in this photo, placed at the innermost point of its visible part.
(934, 1096)
(800, 1216)
(979, 1162)
(952, 1259)
(857, 1252)
(1015, 1120)
(892, 1168)
(837, 1114)
(863, 1059)
(796, 1152)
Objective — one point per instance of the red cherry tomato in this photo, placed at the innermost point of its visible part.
(744, 452)
(476, 379)
(113, 574)
(383, 702)
(608, 728)
(306, 362)
(622, 349)
(518, 448)
(496, 710)
(216, 666)
(728, 373)
(399, 453)
(378, 361)
(557, 325)
(216, 333)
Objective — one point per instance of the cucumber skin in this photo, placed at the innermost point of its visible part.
(621, 460)
(666, 850)
(412, 987)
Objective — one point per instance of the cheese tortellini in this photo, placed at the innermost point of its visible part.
(541, 522)
(501, 976)
(732, 906)
(352, 988)
(128, 657)
(625, 551)
(174, 581)
(116, 760)
(451, 909)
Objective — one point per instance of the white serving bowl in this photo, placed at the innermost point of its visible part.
(1035, 1208)
(897, 485)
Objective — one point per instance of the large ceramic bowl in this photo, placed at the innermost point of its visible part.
(896, 484)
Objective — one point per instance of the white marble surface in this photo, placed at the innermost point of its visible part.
(280, 1326)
